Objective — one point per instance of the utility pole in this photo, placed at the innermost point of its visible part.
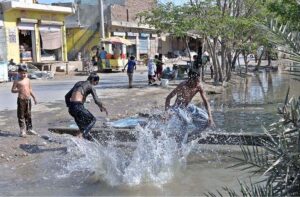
(77, 5)
(101, 20)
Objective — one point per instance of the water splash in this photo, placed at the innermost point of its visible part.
(160, 151)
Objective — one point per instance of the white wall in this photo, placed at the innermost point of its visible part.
(3, 54)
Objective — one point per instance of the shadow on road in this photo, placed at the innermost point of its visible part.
(8, 134)
(34, 149)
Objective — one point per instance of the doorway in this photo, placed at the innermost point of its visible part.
(25, 45)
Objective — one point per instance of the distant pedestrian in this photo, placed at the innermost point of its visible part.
(12, 67)
(102, 59)
(151, 71)
(159, 66)
(131, 66)
(206, 58)
(22, 86)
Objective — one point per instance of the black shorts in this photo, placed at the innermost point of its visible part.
(82, 116)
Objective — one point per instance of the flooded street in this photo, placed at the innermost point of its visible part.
(64, 165)
(254, 102)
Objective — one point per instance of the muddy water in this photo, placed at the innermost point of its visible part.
(154, 167)
(253, 102)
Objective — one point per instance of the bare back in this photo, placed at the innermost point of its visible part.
(185, 94)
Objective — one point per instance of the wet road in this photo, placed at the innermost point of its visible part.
(55, 90)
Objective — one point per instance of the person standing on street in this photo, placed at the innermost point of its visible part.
(151, 71)
(131, 66)
(22, 86)
(102, 59)
(159, 66)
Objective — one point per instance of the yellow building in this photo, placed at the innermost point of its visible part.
(33, 32)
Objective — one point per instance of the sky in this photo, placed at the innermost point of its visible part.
(177, 2)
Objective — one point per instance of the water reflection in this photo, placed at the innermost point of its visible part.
(253, 102)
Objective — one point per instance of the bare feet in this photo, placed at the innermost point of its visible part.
(79, 134)
(22, 133)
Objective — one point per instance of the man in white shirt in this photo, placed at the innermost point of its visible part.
(151, 71)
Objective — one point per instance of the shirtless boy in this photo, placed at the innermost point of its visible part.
(75, 99)
(185, 92)
(22, 86)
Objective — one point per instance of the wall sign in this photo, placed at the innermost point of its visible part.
(12, 35)
(132, 34)
(145, 35)
(119, 33)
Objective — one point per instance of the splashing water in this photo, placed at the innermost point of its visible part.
(159, 152)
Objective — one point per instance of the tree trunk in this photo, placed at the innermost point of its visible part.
(245, 60)
(218, 66)
(223, 56)
(188, 48)
(228, 65)
(269, 57)
(259, 62)
(235, 57)
(199, 61)
(214, 62)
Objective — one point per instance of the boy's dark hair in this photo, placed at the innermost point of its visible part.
(155, 56)
(193, 75)
(102, 48)
(132, 57)
(22, 68)
(93, 77)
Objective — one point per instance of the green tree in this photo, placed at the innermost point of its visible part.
(224, 25)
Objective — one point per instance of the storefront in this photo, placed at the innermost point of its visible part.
(34, 32)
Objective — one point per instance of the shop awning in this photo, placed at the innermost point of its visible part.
(49, 28)
(27, 20)
(46, 22)
(26, 26)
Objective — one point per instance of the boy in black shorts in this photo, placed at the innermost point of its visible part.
(75, 99)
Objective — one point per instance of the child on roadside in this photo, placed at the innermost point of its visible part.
(131, 66)
(159, 66)
(22, 86)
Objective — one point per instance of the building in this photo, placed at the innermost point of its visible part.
(120, 20)
(32, 32)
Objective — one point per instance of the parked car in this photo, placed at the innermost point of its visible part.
(32, 72)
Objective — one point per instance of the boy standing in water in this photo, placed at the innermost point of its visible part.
(75, 99)
(22, 86)
(185, 92)
(131, 66)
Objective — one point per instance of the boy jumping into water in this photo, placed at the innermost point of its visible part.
(22, 86)
(185, 92)
(75, 99)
